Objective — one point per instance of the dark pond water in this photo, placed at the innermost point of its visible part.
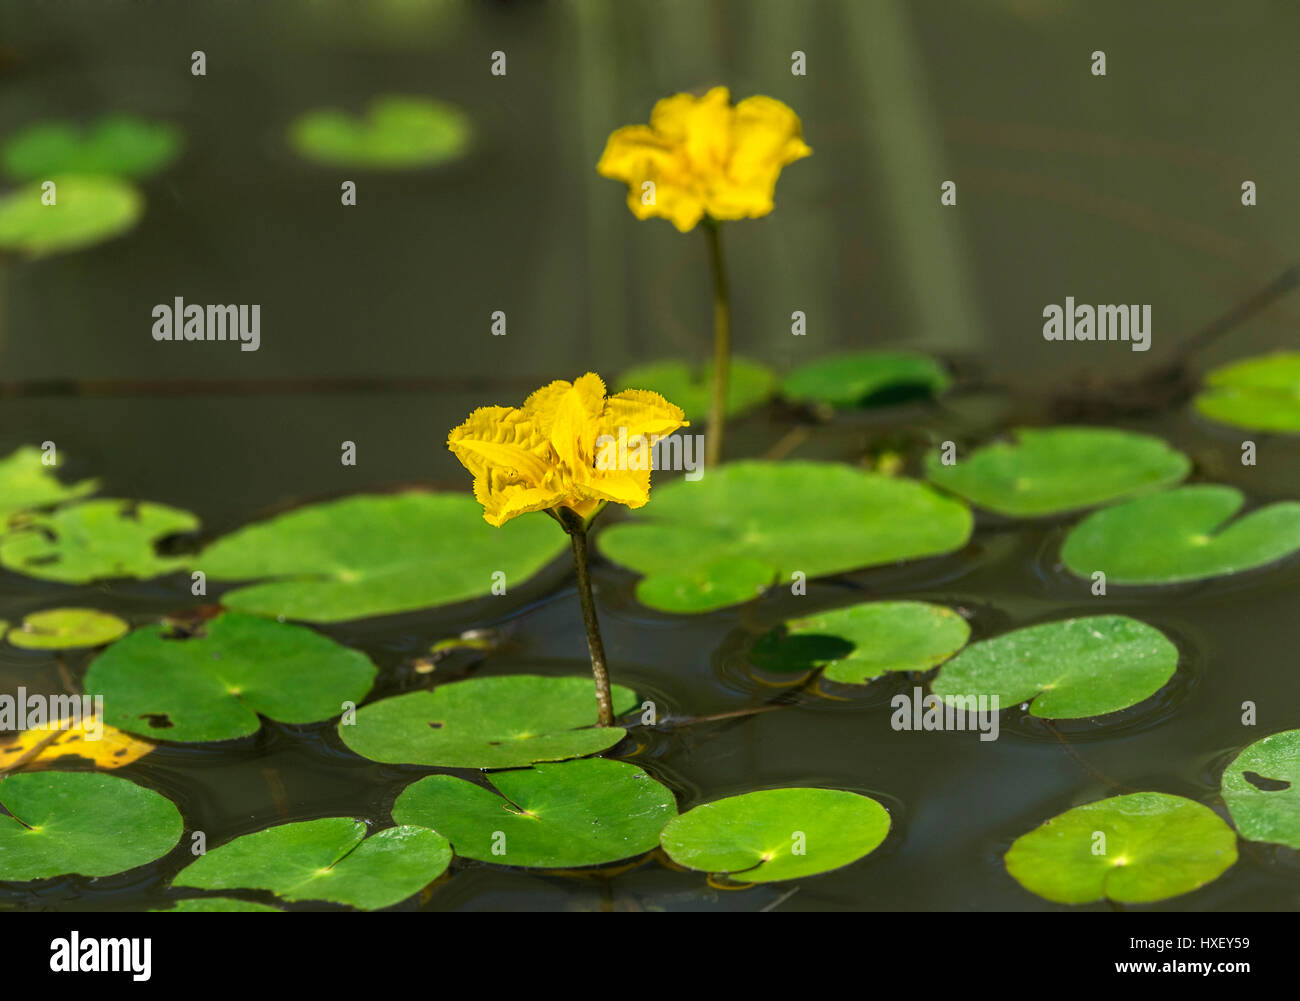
(1123, 189)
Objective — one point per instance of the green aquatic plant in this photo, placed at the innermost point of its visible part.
(1260, 394)
(749, 384)
(28, 480)
(66, 629)
(1261, 787)
(78, 211)
(398, 132)
(865, 378)
(118, 145)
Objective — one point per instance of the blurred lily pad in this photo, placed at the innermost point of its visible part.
(775, 834)
(398, 133)
(213, 686)
(209, 905)
(813, 517)
(88, 209)
(1155, 846)
(499, 722)
(329, 859)
(123, 145)
(1051, 470)
(67, 629)
(565, 816)
(1181, 535)
(867, 378)
(87, 823)
(376, 555)
(1066, 670)
(95, 540)
(691, 386)
(862, 642)
(1260, 394)
(1262, 790)
(27, 482)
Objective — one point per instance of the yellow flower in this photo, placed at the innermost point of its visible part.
(705, 156)
(567, 446)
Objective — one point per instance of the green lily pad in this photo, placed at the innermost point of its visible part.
(817, 518)
(83, 823)
(500, 722)
(1065, 670)
(123, 145)
(691, 386)
(26, 482)
(208, 905)
(329, 859)
(87, 210)
(67, 629)
(859, 643)
(95, 540)
(377, 555)
(866, 378)
(775, 834)
(1180, 535)
(399, 133)
(566, 816)
(1262, 790)
(1260, 394)
(1156, 847)
(213, 686)
(1051, 470)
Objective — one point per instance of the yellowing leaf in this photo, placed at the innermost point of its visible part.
(43, 746)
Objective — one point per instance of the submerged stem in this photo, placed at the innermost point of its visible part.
(721, 344)
(577, 529)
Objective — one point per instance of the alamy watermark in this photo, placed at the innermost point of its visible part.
(677, 452)
(179, 322)
(954, 712)
(52, 712)
(1098, 323)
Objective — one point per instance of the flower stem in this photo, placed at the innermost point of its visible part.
(721, 344)
(577, 529)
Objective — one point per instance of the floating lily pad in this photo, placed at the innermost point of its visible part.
(87, 210)
(775, 834)
(329, 859)
(27, 482)
(68, 739)
(398, 133)
(67, 629)
(85, 823)
(1065, 670)
(1156, 847)
(1262, 790)
(864, 379)
(691, 387)
(95, 540)
(1180, 535)
(377, 555)
(1051, 470)
(208, 905)
(566, 816)
(213, 686)
(814, 517)
(117, 144)
(862, 642)
(500, 722)
(1260, 394)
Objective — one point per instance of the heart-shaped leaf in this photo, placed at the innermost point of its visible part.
(94, 540)
(1066, 670)
(26, 481)
(87, 209)
(691, 387)
(67, 629)
(1132, 849)
(213, 686)
(565, 816)
(865, 379)
(500, 722)
(399, 133)
(329, 859)
(856, 644)
(775, 834)
(1262, 790)
(1181, 535)
(1051, 470)
(810, 517)
(377, 555)
(86, 823)
(1260, 394)
(123, 145)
